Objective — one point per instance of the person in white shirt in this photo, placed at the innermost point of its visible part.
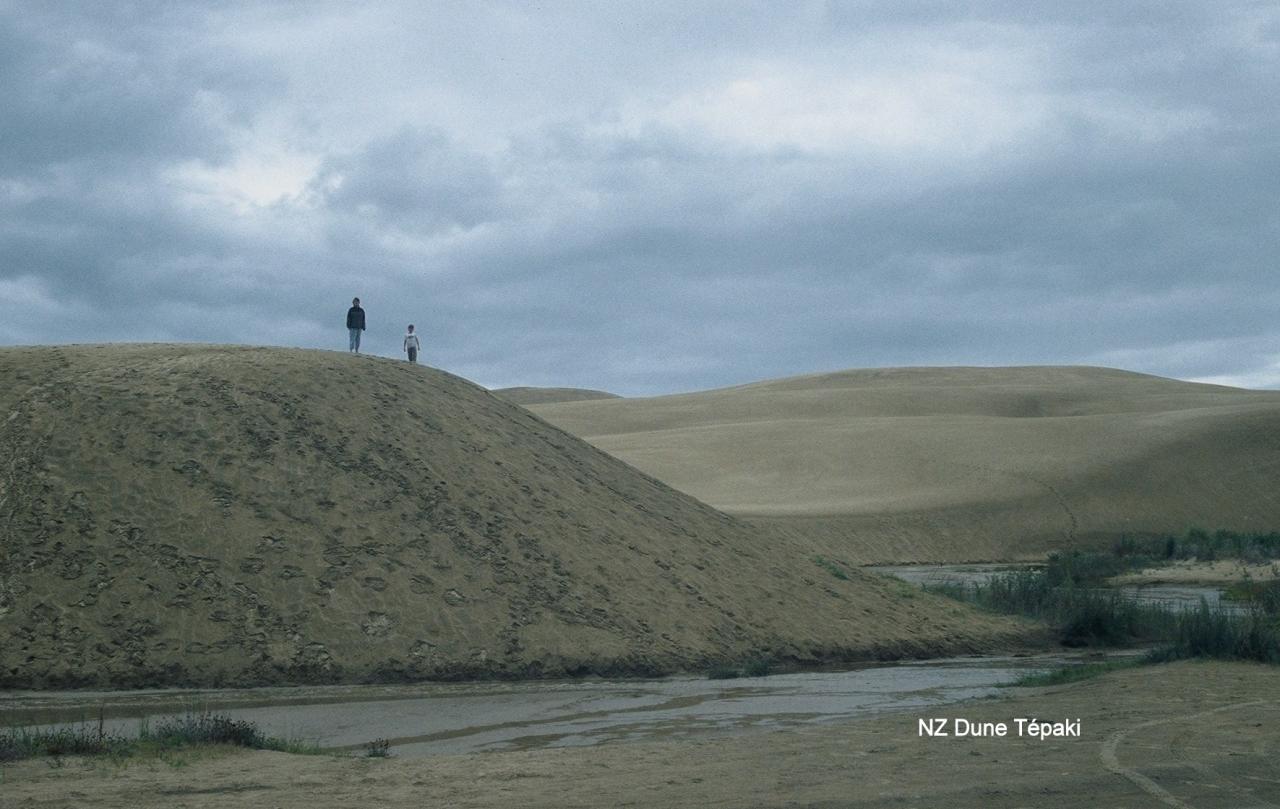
(411, 344)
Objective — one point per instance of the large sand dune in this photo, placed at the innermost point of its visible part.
(529, 396)
(950, 464)
(203, 514)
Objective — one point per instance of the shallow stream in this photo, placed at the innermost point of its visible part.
(437, 719)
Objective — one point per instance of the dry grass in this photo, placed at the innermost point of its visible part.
(230, 515)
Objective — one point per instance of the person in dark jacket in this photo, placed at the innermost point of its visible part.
(355, 324)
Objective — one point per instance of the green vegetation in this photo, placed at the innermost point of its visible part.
(723, 672)
(756, 667)
(831, 567)
(1201, 546)
(378, 748)
(1092, 615)
(1206, 632)
(193, 729)
(1132, 553)
(1263, 595)
(1071, 674)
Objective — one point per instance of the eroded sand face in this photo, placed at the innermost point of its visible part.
(1188, 734)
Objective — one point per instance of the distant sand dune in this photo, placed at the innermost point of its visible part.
(528, 396)
(949, 464)
(206, 514)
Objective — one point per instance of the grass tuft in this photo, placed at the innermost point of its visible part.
(378, 748)
(1088, 616)
(1072, 674)
(831, 567)
(193, 729)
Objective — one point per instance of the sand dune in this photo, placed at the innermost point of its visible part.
(950, 464)
(528, 396)
(204, 515)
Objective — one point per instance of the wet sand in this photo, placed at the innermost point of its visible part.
(1188, 734)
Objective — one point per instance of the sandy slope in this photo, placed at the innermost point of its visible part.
(204, 514)
(1201, 735)
(958, 463)
(529, 396)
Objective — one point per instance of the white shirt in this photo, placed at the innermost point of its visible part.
(411, 341)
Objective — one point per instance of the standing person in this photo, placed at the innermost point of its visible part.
(411, 344)
(355, 324)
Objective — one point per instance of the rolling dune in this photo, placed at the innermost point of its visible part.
(229, 515)
(956, 464)
(528, 396)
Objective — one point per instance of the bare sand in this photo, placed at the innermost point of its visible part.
(957, 464)
(1222, 571)
(528, 396)
(1190, 735)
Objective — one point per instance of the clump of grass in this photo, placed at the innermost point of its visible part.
(84, 739)
(205, 728)
(1087, 616)
(723, 672)
(190, 730)
(378, 748)
(755, 667)
(1217, 633)
(1089, 567)
(831, 567)
(1072, 674)
(760, 667)
(1201, 545)
(1263, 596)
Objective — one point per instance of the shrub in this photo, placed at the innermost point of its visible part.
(831, 567)
(723, 672)
(759, 667)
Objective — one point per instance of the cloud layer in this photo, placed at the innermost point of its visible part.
(670, 198)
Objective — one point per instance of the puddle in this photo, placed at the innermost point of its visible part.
(440, 719)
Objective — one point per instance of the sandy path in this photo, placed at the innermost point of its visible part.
(1186, 735)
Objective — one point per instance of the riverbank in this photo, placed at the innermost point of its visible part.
(1222, 571)
(1202, 733)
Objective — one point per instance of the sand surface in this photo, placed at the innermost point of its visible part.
(210, 515)
(1223, 571)
(1190, 735)
(528, 396)
(958, 464)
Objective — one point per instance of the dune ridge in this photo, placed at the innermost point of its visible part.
(528, 395)
(205, 515)
(956, 463)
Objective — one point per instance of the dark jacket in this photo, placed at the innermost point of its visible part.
(355, 318)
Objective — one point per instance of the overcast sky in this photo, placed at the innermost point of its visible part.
(651, 197)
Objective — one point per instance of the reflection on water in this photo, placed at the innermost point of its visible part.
(435, 719)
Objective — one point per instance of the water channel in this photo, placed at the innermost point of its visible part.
(438, 719)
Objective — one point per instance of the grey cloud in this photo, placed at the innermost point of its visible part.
(416, 180)
(542, 224)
